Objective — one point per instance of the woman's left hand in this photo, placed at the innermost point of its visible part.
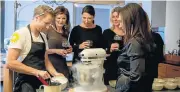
(69, 50)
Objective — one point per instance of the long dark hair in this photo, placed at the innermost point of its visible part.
(63, 10)
(90, 10)
(136, 23)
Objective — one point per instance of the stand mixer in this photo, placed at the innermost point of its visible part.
(89, 72)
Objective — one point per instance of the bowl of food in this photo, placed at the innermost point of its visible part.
(178, 84)
(178, 79)
(170, 85)
(171, 80)
(112, 83)
(61, 79)
(158, 80)
(157, 86)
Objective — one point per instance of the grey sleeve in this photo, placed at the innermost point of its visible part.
(137, 60)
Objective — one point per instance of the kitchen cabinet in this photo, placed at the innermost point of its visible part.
(168, 71)
(170, 68)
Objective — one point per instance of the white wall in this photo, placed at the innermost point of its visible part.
(158, 12)
(9, 19)
(25, 13)
(172, 30)
(146, 5)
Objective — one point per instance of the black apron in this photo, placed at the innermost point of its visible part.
(34, 59)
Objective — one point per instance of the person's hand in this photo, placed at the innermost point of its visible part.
(114, 47)
(43, 74)
(61, 52)
(69, 50)
(84, 45)
(58, 74)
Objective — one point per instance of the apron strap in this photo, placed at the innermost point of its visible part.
(31, 34)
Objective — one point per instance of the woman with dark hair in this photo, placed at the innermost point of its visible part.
(135, 59)
(87, 34)
(57, 35)
(113, 41)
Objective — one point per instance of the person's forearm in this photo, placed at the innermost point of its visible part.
(50, 68)
(51, 51)
(21, 68)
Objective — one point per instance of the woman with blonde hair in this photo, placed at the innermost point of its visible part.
(113, 42)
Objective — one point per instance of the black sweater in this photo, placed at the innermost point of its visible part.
(80, 34)
(110, 63)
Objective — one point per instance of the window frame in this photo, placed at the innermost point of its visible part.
(2, 23)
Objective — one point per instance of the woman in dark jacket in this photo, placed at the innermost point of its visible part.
(135, 58)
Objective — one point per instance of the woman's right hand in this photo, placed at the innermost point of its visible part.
(84, 45)
(43, 74)
(114, 47)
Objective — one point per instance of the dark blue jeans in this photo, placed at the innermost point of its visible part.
(122, 84)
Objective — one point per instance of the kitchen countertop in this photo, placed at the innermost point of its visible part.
(113, 90)
(177, 90)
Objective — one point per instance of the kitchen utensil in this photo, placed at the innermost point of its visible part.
(42, 80)
(55, 88)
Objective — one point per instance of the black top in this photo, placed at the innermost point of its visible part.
(108, 36)
(110, 64)
(55, 42)
(159, 43)
(80, 34)
(159, 52)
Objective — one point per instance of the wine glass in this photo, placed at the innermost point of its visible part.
(117, 39)
(65, 44)
(90, 42)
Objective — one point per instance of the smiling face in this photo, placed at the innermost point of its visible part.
(114, 19)
(60, 20)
